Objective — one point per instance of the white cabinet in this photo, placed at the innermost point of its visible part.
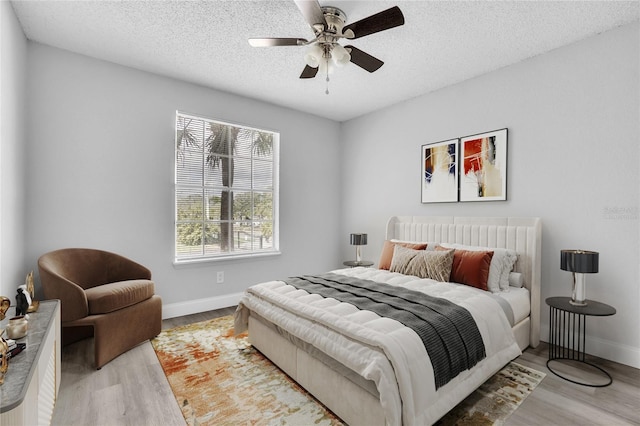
(31, 385)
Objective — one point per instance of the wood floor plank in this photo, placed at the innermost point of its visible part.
(130, 390)
(557, 401)
(133, 390)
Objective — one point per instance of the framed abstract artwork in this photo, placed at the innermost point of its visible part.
(483, 166)
(439, 172)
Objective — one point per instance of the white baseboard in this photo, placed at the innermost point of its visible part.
(624, 354)
(173, 310)
(617, 352)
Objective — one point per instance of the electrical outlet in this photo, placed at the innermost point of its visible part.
(220, 277)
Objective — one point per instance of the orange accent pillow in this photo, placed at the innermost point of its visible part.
(471, 268)
(387, 252)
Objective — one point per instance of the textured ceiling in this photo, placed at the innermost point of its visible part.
(205, 42)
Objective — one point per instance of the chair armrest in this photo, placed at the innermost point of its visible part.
(73, 300)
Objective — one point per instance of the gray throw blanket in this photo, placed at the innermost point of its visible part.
(448, 331)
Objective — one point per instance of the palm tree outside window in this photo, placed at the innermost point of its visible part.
(226, 190)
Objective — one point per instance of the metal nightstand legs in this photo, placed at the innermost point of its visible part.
(567, 332)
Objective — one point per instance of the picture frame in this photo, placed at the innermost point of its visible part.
(483, 166)
(439, 183)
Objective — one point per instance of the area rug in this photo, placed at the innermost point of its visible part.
(496, 399)
(218, 378)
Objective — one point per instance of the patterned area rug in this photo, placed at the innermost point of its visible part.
(218, 378)
(496, 399)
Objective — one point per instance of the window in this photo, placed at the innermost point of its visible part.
(226, 190)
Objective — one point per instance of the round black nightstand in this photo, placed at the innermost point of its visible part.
(354, 263)
(567, 332)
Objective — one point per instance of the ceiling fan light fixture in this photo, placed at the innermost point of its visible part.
(326, 67)
(340, 56)
(324, 52)
(313, 57)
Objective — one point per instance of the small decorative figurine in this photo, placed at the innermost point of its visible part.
(31, 291)
(4, 306)
(22, 302)
(4, 363)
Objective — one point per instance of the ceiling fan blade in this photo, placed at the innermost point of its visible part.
(312, 12)
(268, 42)
(309, 72)
(364, 60)
(381, 21)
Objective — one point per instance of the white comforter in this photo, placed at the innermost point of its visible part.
(381, 349)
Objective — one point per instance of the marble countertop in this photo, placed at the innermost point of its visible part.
(22, 366)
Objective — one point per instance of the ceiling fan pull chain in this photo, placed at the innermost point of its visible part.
(327, 91)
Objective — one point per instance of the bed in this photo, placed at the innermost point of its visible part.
(372, 370)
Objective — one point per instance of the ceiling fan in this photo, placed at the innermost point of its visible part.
(328, 25)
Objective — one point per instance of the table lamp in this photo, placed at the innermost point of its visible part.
(579, 262)
(358, 240)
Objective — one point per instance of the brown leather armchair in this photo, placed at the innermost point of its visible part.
(103, 295)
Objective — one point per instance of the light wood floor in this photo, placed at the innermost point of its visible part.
(132, 390)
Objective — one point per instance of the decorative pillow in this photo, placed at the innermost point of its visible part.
(430, 264)
(509, 265)
(401, 258)
(387, 252)
(501, 264)
(516, 279)
(471, 268)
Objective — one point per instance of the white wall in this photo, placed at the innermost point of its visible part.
(573, 120)
(101, 160)
(13, 63)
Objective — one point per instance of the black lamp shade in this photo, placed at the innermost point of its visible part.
(582, 261)
(358, 239)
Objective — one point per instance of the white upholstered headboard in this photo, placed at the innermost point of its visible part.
(523, 235)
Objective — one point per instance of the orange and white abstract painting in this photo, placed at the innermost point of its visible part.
(483, 167)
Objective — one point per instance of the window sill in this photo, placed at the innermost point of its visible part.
(226, 258)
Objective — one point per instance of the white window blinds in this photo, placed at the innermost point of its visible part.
(226, 190)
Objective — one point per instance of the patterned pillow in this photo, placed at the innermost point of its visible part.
(387, 251)
(424, 264)
(401, 258)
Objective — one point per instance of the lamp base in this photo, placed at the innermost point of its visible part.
(579, 292)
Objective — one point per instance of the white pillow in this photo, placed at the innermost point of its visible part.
(516, 279)
(501, 264)
(510, 263)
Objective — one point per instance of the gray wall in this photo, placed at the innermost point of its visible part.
(573, 120)
(13, 67)
(101, 160)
